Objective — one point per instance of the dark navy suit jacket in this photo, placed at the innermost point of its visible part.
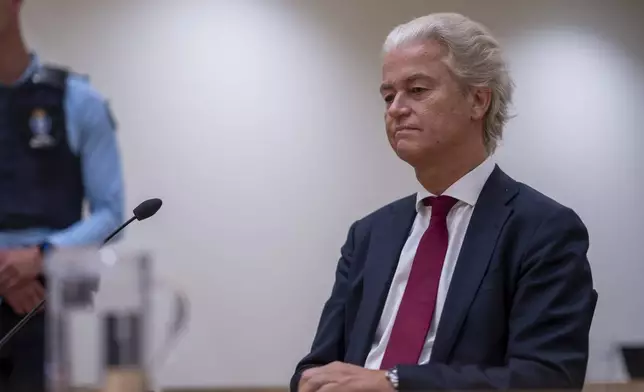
(519, 306)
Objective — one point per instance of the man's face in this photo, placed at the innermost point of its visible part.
(427, 113)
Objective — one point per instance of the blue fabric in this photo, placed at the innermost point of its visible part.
(91, 134)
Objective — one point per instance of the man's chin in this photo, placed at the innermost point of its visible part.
(409, 152)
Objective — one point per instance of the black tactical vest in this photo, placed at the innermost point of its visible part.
(40, 177)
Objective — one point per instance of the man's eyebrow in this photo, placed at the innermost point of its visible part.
(385, 86)
(418, 76)
(409, 79)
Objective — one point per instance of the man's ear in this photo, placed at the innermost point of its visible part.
(480, 98)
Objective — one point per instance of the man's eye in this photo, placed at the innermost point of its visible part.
(389, 98)
(417, 90)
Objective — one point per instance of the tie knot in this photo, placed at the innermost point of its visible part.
(441, 205)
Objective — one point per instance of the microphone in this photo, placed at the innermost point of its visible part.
(141, 212)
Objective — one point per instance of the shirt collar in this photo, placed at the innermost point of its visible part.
(467, 189)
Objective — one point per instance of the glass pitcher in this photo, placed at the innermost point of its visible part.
(99, 319)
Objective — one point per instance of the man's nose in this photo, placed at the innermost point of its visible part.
(398, 107)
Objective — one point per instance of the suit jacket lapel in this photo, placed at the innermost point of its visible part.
(387, 240)
(489, 216)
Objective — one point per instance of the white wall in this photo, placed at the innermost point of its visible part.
(260, 126)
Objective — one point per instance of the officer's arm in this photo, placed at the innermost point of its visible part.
(101, 167)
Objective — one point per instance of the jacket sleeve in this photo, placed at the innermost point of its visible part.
(549, 323)
(328, 343)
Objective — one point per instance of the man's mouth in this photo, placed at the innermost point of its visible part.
(406, 129)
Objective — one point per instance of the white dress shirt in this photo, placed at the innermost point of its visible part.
(466, 190)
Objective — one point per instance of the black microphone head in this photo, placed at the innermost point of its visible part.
(147, 209)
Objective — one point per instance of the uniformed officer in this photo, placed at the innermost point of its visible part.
(58, 150)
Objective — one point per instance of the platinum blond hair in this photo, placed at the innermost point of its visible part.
(473, 56)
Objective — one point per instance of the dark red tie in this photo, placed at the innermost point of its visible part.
(419, 300)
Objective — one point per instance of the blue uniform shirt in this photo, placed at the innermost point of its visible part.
(91, 134)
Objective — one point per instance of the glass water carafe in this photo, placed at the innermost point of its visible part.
(99, 320)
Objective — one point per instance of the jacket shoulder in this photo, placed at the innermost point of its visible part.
(537, 209)
(530, 200)
(364, 224)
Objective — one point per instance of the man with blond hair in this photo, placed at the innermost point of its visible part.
(476, 281)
